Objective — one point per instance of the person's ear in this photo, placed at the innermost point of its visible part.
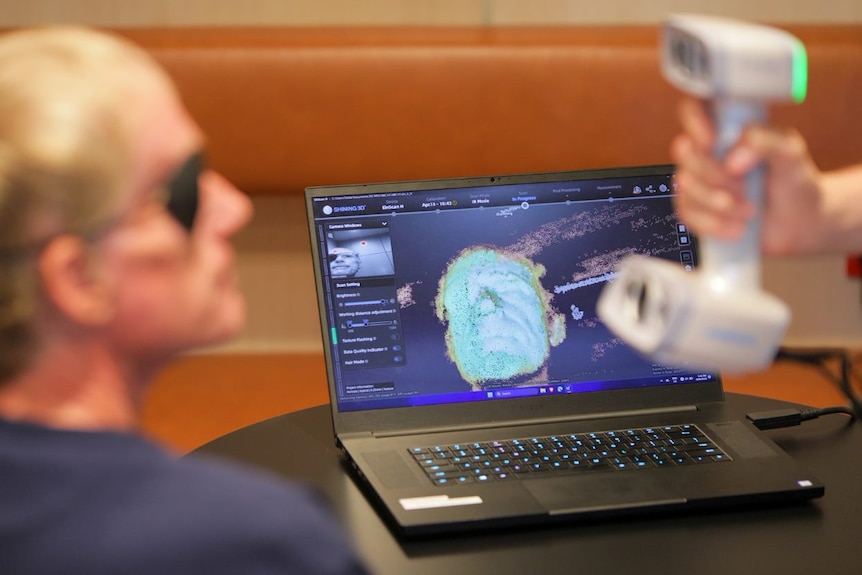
(71, 283)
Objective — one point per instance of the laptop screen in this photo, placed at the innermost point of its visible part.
(485, 289)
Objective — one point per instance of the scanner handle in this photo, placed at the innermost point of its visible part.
(728, 265)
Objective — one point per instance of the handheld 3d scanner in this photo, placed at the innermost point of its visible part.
(717, 317)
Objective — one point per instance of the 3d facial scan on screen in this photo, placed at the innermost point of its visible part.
(519, 311)
(500, 323)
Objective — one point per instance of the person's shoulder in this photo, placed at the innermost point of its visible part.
(252, 520)
(200, 481)
(107, 503)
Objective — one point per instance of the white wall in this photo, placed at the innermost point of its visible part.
(273, 253)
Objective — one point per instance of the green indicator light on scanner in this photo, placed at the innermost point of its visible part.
(334, 337)
(800, 72)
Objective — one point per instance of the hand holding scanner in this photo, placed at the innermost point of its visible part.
(715, 318)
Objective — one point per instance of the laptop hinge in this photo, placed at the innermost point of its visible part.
(535, 421)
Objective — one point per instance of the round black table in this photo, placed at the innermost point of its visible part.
(813, 537)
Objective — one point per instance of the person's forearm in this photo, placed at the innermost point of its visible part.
(841, 224)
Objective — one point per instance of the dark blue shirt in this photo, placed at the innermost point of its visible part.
(94, 503)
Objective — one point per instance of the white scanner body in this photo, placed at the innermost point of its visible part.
(716, 318)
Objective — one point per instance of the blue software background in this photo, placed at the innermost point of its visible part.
(576, 240)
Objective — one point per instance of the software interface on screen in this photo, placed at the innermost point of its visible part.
(485, 293)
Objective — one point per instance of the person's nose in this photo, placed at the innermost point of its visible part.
(229, 208)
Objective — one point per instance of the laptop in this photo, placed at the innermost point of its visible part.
(472, 384)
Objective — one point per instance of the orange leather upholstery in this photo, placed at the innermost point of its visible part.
(285, 108)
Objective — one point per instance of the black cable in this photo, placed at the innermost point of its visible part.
(818, 359)
(845, 383)
(777, 418)
(832, 410)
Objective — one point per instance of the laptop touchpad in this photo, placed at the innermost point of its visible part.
(599, 492)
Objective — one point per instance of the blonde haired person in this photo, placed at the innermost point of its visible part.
(115, 257)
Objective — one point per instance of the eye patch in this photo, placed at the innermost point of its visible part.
(182, 191)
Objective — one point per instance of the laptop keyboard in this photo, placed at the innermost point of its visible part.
(530, 457)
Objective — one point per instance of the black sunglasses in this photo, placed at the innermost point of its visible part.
(183, 193)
